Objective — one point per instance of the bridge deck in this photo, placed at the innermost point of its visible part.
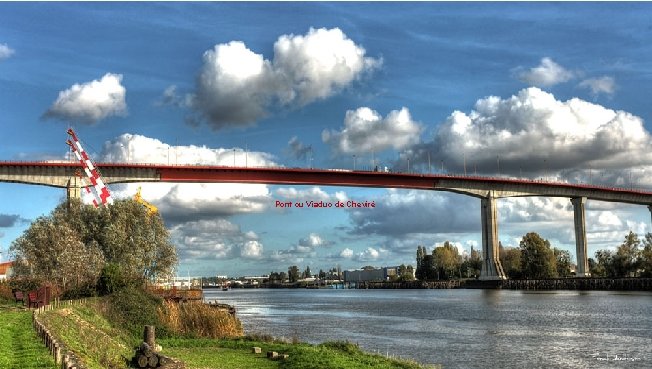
(57, 174)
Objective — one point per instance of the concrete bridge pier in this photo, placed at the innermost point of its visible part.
(73, 188)
(492, 269)
(582, 269)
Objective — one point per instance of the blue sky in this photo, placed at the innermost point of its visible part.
(557, 91)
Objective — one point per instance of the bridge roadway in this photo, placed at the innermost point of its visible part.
(62, 174)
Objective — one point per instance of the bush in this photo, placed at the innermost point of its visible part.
(5, 292)
(79, 292)
(113, 279)
(132, 308)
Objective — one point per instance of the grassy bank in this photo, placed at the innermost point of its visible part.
(103, 339)
(19, 346)
(236, 353)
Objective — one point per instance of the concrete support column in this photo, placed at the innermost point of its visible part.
(73, 188)
(582, 269)
(649, 207)
(492, 269)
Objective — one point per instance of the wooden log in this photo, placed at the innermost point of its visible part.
(272, 355)
(142, 361)
(153, 361)
(149, 335)
(146, 350)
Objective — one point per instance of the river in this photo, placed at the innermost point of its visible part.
(461, 328)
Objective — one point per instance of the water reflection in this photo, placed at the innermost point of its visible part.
(462, 328)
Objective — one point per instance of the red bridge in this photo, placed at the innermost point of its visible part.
(62, 174)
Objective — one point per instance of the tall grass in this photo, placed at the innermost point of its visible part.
(196, 319)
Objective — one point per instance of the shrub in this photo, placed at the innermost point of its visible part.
(132, 308)
(85, 290)
(113, 279)
(5, 292)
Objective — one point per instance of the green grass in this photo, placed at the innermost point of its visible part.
(20, 348)
(90, 336)
(102, 343)
(236, 353)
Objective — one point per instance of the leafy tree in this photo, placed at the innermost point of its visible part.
(605, 264)
(447, 261)
(626, 258)
(594, 268)
(428, 268)
(70, 246)
(510, 258)
(645, 256)
(50, 251)
(475, 262)
(537, 259)
(307, 273)
(293, 273)
(421, 272)
(563, 261)
(405, 273)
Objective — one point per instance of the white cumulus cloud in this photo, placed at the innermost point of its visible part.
(347, 253)
(214, 239)
(533, 133)
(546, 74)
(91, 102)
(6, 51)
(365, 131)
(188, 201)
(237, 86)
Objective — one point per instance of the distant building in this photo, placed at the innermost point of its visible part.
(6, 270)
(371, 275)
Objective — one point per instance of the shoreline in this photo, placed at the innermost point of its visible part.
(570, 284)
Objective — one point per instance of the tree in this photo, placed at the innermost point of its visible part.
(405, 273)
(71, 245)
(510, 258)
(645, 256)
(563, 261)
(307, 273)
(605, 264)
(421, 252)
(626, 258)
(447, 261)
(475, 262)
(293, 273)
(50, 251)
(428, 272)
(537, 259)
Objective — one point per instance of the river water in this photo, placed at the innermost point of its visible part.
(461, 328)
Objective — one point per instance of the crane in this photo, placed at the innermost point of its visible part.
(100, 191)
(151, 209)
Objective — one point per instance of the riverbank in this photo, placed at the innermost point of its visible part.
(584, 284)
(100, 340)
